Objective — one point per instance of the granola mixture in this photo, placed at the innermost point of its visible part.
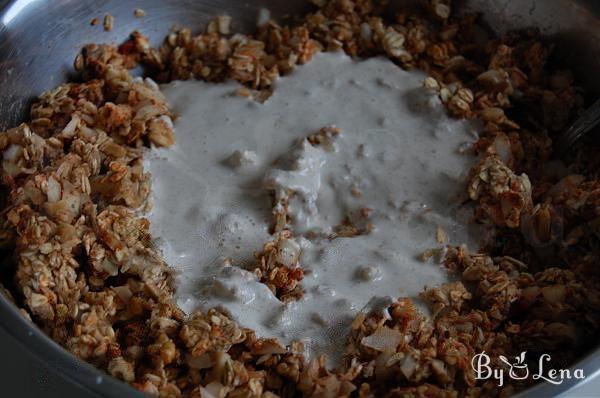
(86, 271)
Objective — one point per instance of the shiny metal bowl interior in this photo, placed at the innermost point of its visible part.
(40, 38)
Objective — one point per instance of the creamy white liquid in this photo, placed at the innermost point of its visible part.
(397, 147)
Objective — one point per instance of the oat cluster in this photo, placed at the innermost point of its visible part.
(84, 268)
(278, 267)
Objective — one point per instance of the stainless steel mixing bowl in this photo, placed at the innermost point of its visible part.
(39, 39)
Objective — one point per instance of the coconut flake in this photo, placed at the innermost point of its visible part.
(408, 366)
(212, 390)
(384, 339)
(288, 253)
(268, 347)
(502, 148)
(123, 292)
(71, 127)
(200, 362)
(54, 190)
(12, 152)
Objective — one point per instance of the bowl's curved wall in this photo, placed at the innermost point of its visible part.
(40, 38)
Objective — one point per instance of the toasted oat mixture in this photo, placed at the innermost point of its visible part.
(85, 270)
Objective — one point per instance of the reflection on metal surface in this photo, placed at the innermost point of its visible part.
(14, 9)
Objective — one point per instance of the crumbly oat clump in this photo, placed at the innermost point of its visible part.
(501, 194)
(86, 271)
(278, 267)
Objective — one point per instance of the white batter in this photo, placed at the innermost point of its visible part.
(398, 153)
